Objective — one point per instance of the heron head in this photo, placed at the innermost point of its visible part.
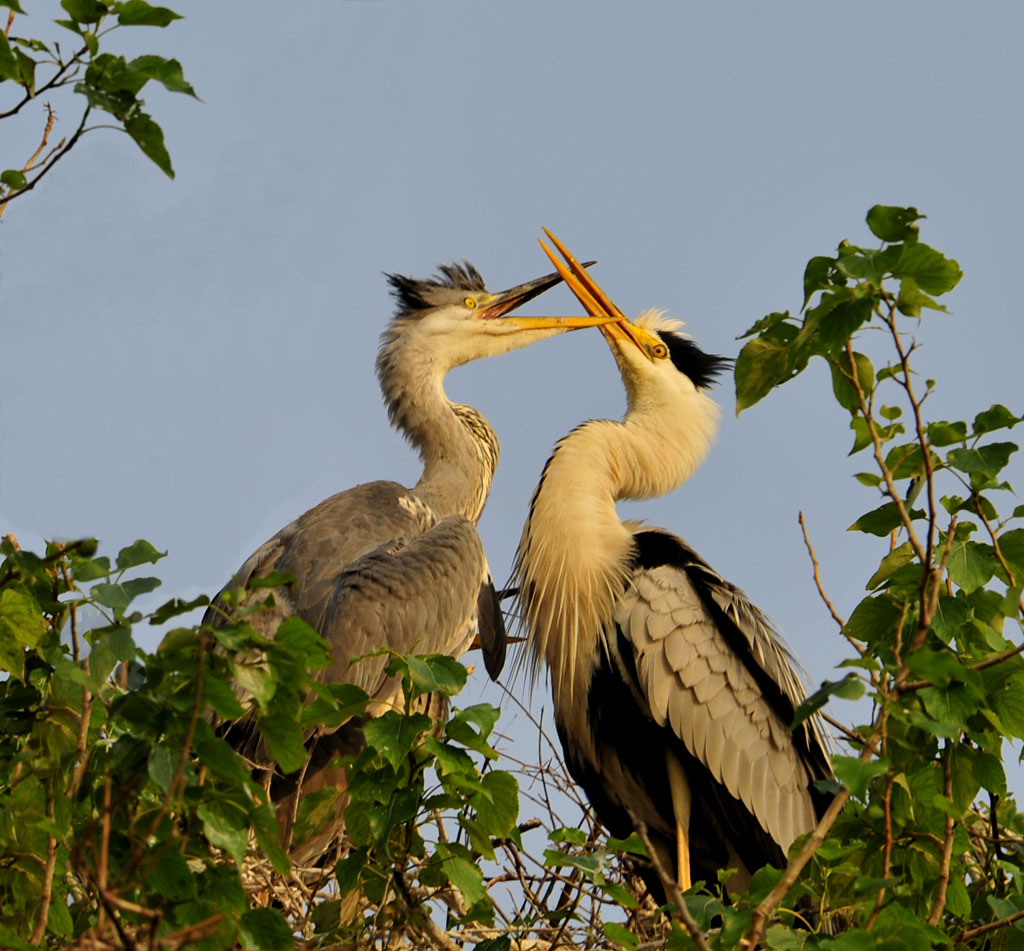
(458, 319)
(651, 351)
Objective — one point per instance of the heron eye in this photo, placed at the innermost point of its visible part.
(469, 302)
(660, 351)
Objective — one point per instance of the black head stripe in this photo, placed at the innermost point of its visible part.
(702, 368)
(413, 293)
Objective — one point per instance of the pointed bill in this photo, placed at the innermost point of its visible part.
(496, 306)
(597, 303)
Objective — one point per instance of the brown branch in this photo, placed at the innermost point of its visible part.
(62, 149)
(46, 894)
(7, 32)
(876, 443)
(671, 887)
(50, 118)
(821, 588)
(417, 915)
(991, 926)
(947, 846)
(769, 903)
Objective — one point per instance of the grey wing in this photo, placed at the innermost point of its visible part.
(327, 539)
(700, 688)
(419, 597)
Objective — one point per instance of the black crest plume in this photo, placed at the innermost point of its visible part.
(413, 293)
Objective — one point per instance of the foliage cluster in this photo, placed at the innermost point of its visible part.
(126, 819)
(106, 82)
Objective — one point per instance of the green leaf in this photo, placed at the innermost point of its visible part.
(568, 834)
(912, 300)
(140, 13)
(448, 758)
(620, 934)
(119, 596)
(436, 672)
(996, 417)
(861, 434)
(22, 626)
(873, 619)
(13, 179)
(891, 223)
(761, 366)
(9, 68)
(497, 805)
(283, 737)
(849, 688)
(988, 460)
(462, 871)
(855, 775)
(395, 736)
(171, 877)
(166, 71)
(348, 869)
(302, 641)
(316, 809)
(12, 5)
(897, 558)
(818, 275)
(85, 11)
(150, 138)
(880, 521)
(176, 607)
(970, 564)
(225, 827)
(946, 434)
(842, 380)
(272, 579)
(162, 766)
(843, 320)
(139, 552)
(265, 929)
(933, 272)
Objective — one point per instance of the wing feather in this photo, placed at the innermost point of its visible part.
(698, 685)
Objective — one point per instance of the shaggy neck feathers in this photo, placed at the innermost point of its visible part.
(575, 554)
(456, 444)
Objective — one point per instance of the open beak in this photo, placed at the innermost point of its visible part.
(497, 305)
(598, 304)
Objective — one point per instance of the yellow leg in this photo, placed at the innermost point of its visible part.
(681, 806)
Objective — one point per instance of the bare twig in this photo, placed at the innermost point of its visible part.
(46, 894)
(991, 926)
(672, 888)
(769, 903)
(947, 846)
(820, 586)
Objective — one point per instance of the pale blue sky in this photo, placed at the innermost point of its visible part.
(192, 361)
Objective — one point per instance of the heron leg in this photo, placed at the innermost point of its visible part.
(681, 800)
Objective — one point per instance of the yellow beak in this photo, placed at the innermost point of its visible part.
(496, 306)
(598, 304)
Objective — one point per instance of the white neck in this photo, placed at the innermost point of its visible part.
(575, 553)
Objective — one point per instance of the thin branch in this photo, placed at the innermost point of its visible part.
(59, 152)
(947, 846)
(769, 903)
(417, 915)
(991, 926)
(671, 887)
(820, 586)
(46, 894)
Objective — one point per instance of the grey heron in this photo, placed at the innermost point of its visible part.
(673, 694)
(383, 565)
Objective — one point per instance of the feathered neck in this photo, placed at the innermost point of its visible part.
(456, 444)
(575, 553)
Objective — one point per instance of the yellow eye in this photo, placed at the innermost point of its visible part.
(469, 302)
(659, 351)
